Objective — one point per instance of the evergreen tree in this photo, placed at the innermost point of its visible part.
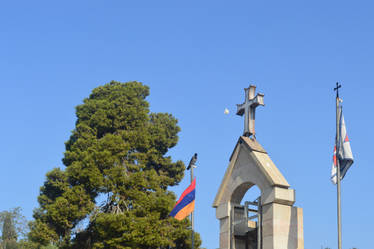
(9, 235)
(116, 153)
(8, 231)
(13, 227)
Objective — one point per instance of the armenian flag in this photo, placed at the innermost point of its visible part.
(186, 203)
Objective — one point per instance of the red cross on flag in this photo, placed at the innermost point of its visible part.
(342, 152)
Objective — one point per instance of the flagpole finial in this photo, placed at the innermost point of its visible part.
(337, 89)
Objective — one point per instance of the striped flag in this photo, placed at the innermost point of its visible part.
(186, 203)
(344, 153)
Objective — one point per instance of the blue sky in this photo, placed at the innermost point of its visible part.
(197, 57)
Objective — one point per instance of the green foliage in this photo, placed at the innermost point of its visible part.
(10, 244)
(15, 221)
(12, 226)
(116, 152)
(9, 230)
(27, 244)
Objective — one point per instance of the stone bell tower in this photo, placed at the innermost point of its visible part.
(269, 222)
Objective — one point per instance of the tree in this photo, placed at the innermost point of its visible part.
(117, 155)
(9, 235)
(13, 227)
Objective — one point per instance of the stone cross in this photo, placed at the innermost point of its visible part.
(248, 108)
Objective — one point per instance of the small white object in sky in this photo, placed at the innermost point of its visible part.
(226, 111)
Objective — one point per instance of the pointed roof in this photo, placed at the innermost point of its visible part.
(262, 161)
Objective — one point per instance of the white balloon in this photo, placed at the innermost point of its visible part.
(226, 111)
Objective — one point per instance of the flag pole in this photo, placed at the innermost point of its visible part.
(192, 217)
(190, 167)
(338, 166)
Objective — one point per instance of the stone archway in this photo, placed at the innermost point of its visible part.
(245, 217)
(252, 194)
(238, 194)
(281, 223)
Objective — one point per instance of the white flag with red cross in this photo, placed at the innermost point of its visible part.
(342, 152)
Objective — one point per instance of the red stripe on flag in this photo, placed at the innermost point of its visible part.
(187, 191)
(334, 157)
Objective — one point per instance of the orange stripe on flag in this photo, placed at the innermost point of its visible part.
(183, 213)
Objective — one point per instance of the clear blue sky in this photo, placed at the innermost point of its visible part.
(197, 56)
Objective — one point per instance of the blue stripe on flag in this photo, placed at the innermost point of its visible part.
(184, 202)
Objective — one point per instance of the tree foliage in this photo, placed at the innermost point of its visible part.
(13, 227)
(113, 192)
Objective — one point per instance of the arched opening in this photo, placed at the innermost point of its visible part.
(246, 216)
(251, 195)
(245, 192)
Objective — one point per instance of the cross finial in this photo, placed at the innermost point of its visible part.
(248, 108)
(337, 89)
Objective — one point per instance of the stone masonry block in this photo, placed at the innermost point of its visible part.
(223, 211)
(278, 195)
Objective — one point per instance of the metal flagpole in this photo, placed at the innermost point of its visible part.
(338, 165)
(191, 165)
(192, 218)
